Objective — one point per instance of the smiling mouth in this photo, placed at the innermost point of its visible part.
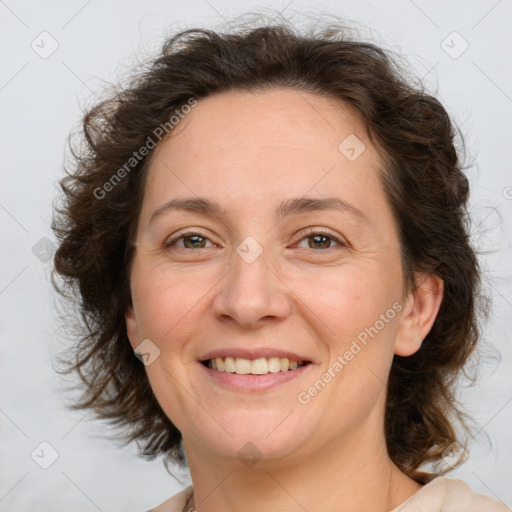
(259, 366)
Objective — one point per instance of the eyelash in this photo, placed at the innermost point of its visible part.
(311, 233)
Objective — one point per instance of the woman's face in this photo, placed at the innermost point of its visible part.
(256, 280)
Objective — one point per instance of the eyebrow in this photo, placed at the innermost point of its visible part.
(294, 206)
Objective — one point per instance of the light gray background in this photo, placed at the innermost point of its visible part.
(40, 100)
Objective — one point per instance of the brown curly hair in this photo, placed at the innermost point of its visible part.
(423, 179)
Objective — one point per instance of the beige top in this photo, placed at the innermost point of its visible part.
(441, 494)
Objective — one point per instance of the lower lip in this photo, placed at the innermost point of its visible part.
(254, 382)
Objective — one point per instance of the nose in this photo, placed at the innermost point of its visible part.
(252, 293)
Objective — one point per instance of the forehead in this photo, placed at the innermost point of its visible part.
(252, 149)
(272, 117)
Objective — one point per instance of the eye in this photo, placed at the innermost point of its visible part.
(191, 240)
(321, 238)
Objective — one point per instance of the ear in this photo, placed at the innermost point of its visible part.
(132, 330)
(420, 311)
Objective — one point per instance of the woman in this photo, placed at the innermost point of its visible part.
(275, 224)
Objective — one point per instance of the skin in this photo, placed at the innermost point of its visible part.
(250, 151)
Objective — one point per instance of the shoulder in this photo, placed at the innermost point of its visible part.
(443, 494)
(175, 503)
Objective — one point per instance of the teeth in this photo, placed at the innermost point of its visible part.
(274, 364)
(260, 366)
(242, 366)
(229, 364)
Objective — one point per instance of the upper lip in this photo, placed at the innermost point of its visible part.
(254, 353)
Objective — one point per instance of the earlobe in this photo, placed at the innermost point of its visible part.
(419, 314)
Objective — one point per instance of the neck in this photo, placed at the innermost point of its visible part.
(353, 474)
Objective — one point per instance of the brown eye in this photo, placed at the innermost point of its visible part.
(321, 240)
(191, 240)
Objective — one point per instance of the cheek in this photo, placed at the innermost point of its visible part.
(165, 303)
(354, 313)
(345, 301)
(166, 307)
(354, 322)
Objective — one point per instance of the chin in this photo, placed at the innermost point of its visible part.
(256, 440)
